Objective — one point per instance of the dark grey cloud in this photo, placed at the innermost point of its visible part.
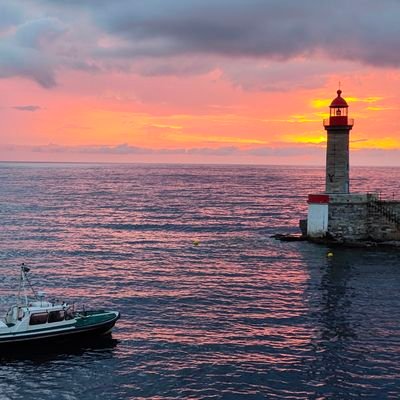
(28, 51)
(26, 62)
(30, 108)
(362, 30)
(229, 27)
(176, 37)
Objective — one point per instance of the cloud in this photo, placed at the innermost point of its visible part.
(30, 108)
(27, 63)
(126, 149)
(40, 32)
(306, 154)
(119, 149)
(193, 37)
(274, 76)
(37, 48)
(10, 15)
(364, 30)
(25, 52)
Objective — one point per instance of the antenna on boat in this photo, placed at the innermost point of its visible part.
(23, 280)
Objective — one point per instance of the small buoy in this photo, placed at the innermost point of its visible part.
(330, 254)
(196, 242)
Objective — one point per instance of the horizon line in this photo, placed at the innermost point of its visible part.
(186, 163)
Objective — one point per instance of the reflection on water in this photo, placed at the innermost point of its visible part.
(336, 300)
(39, 354)
(238, 316)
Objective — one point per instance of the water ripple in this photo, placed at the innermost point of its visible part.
(212, 306)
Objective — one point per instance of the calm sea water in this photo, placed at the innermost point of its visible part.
(239, 316)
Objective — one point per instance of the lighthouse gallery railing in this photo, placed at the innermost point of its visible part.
(346, 121)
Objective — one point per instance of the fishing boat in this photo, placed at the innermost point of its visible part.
(35, 321)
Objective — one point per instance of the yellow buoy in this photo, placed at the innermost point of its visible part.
(330, 254)
(196, 242)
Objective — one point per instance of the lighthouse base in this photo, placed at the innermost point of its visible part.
(353, 217)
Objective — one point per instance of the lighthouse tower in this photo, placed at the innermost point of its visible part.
(338, 127)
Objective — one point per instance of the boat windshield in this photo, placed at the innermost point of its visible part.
(38, 318)
(69, 313)
(56, 316)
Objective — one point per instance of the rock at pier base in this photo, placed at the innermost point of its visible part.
(289, 237)
(335, 242)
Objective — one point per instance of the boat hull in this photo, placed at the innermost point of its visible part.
(48, 339)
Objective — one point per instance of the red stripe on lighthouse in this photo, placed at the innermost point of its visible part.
(318, 198)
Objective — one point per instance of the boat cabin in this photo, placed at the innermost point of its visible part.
(37, 313)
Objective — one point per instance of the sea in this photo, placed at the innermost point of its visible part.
(212, 307)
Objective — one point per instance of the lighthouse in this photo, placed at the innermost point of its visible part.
(336, 215)
(322, 207)
(338, 127)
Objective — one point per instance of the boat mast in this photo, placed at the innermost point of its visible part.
(22, 284)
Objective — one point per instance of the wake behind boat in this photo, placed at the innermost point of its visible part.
(37, 321)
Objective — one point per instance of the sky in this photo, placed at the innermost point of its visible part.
(197, 81)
